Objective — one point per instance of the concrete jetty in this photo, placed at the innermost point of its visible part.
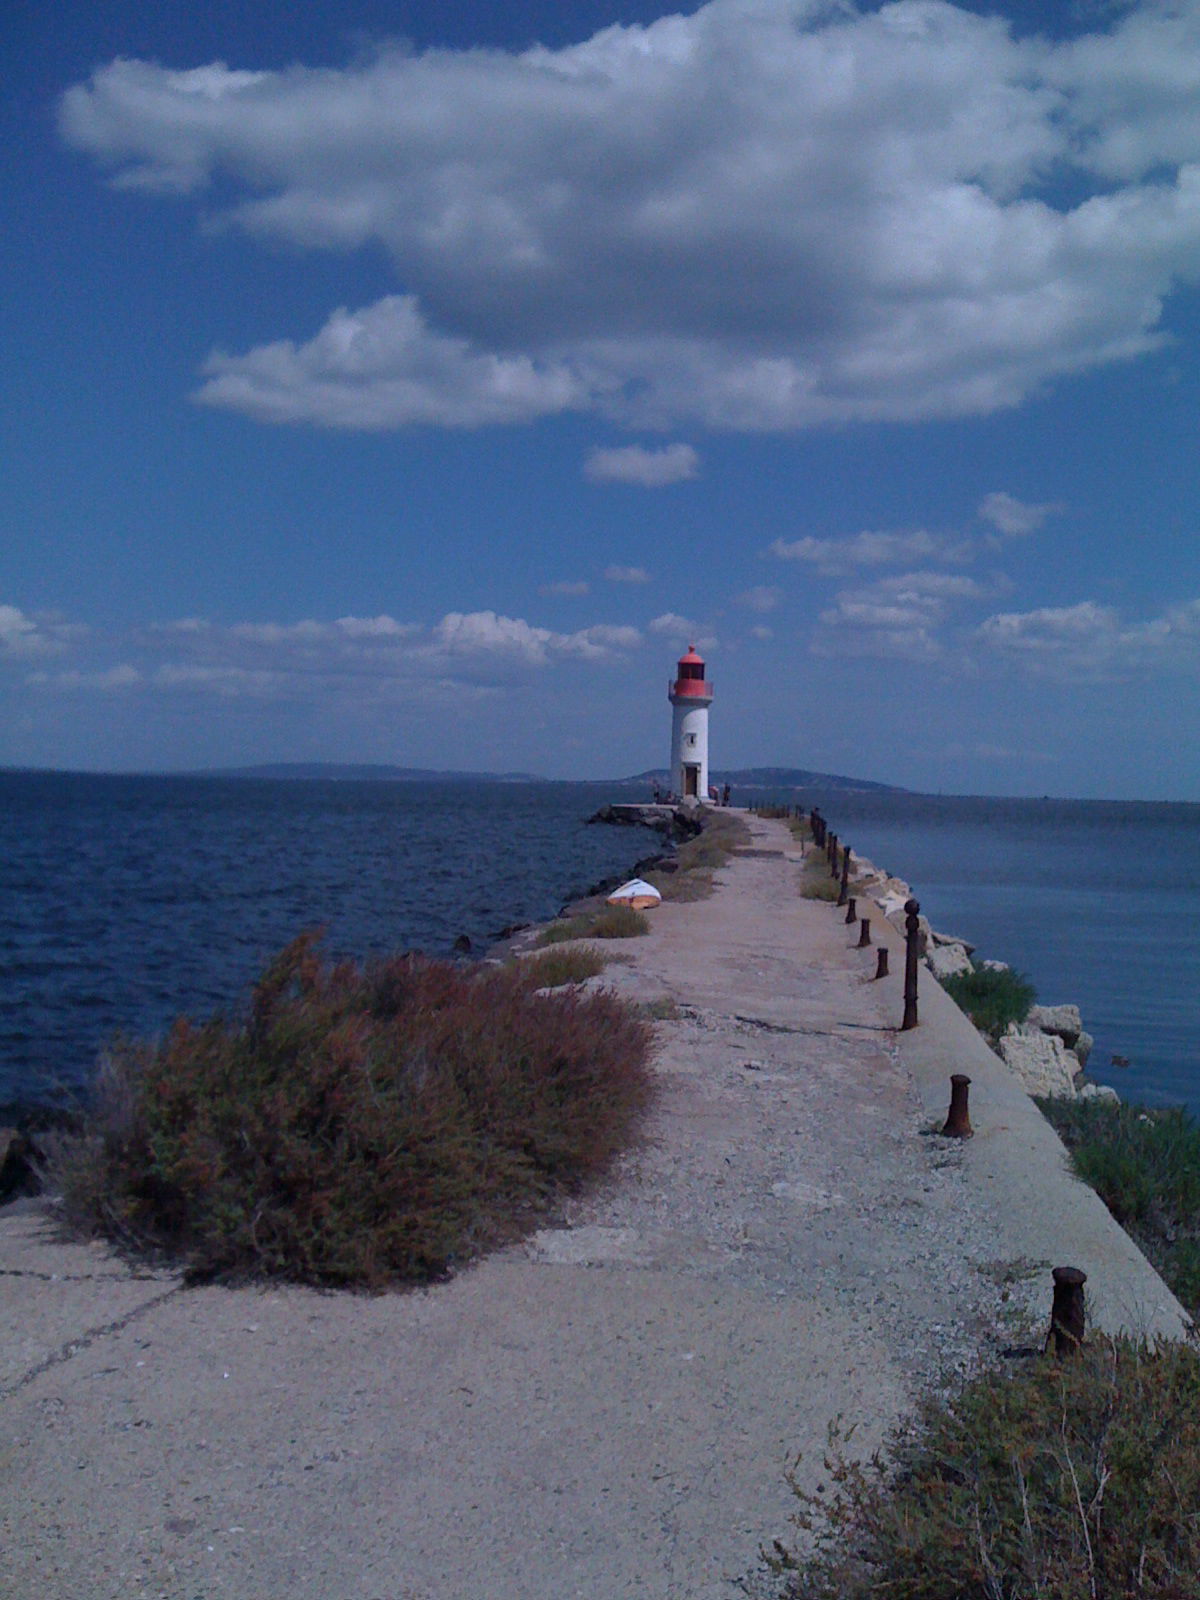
(608, 1409)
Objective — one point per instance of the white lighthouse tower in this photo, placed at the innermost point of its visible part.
(690, 696)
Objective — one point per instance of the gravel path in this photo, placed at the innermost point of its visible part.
(608, 1410)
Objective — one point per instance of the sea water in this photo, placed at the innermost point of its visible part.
(1096, 902)
(127, 901)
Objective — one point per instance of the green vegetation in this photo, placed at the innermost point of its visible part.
(1145, 1166)
(356, 1127)
(1067, 1480)
(992, 997)
(610, 922)
(816, 880)
(556, 967)
(697, 859)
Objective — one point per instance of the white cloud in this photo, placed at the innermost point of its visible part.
(382, 627)
(227, 681)
(22, 637)
(280, 633)
(626, 575)
(652, 469)
(113, 678)
(382, 367)
(898, 617)
(682, 630)
(1089, 641)
(351, 658)
(763, 597)
(182, 625)
(1014, 517)
(565, 586)
(761, 632)
(836, 557)
(767, 214)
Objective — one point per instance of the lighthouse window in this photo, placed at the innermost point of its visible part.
(691, 738)
(691, 669)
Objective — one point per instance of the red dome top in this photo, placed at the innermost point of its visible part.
(691, 659)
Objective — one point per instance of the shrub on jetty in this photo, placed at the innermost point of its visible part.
(816, 880)
(1068, 1480)
(1145, 1166)
(358, 1126)
(992, 997)
(556, 967)
(721, 833)
(612, 922)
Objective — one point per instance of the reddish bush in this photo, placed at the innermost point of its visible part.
(357, 1126)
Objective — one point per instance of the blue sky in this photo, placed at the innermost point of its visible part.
(411, 383)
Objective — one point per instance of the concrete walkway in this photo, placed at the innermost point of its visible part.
(609, 1409)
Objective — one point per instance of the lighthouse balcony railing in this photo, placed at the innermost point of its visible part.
(689, 688)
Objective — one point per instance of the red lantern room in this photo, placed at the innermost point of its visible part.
(690, 684)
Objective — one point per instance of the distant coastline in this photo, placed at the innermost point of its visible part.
(760, 778)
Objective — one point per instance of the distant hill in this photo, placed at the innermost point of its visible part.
(360, 770)
(769, 778)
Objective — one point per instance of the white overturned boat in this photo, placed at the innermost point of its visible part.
(637, 893)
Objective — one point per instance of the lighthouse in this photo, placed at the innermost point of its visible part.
(690, 696)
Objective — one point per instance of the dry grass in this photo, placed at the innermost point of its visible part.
(816, 880)
(611, 922)
(559, 966)
(356, 1127)
(1145, 1166)
(1071, 1480)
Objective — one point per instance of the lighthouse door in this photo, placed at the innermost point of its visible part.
(691, 780)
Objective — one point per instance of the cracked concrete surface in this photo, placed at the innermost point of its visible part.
(609, 1408)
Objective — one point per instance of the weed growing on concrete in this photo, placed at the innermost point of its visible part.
(556, 967)
(816, 880)
(696, 860)
(1145, 1166)
(1071, 1480)
(611, 922)
(357, 1126)
(992, 997)
(683, 886)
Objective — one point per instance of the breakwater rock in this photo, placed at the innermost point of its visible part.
(1047, 1050)
(675, 821)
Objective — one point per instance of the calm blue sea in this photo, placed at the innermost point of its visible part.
(1098, 902)
(126, 901)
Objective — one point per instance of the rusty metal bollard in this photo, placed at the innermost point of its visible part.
(864, 933)
(1067, 1315)
(851, 910)
(958, 1123)
(844, 889)
(881, 962)
(912, 957)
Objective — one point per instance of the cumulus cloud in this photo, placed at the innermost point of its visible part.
(124, 676)
(627, 575)
(896, 617)
(763, 597)
(24, 636)
(768, 214)
(836, 557)
(313, 659)
(682, 630)
(1014, 517)
(564, 586)
(651, 469)
(1089, 640)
